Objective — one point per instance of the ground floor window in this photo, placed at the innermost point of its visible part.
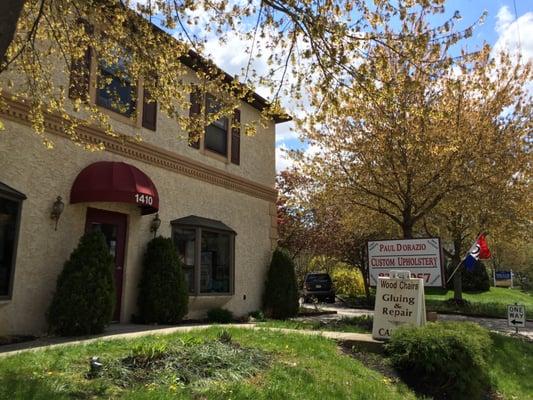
(206, 249)
(10, 209)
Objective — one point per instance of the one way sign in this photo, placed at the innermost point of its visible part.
(516, 316)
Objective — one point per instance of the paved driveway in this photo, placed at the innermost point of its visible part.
(493, 324)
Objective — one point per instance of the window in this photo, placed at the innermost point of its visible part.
(206, 249)
(216, 134)
(114, 90)
(222, 136)
(215, 260)
(185, 242)
(10, 209)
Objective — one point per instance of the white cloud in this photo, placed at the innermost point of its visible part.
(283, 161)
(515, 35)
(286, 132)
(504, 18)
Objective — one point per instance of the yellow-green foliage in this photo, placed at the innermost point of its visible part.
(348, 280)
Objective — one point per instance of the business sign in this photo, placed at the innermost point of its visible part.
(399, 300)
(503, 278)
(516, 315)
(422, 257)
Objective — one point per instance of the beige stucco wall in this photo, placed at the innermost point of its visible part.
(43, 174)
(257, 155)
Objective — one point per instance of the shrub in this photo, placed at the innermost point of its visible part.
(348, 280)
(220, 316)
(477, 280)
(443, 360)
(163, 293)
(85, 295)
(280, 299)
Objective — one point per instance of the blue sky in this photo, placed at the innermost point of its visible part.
(499, 30)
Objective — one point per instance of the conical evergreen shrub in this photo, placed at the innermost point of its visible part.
(476, 280)
(85, 295)
(280, 299)
(163, 293)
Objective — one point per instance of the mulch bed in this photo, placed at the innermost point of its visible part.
(377, 362)
(5, 340)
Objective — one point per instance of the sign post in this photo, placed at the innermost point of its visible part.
(422, 257)
(516, 316)
(399, 300)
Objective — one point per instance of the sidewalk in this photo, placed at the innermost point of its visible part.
(131, 331)
(493, 324)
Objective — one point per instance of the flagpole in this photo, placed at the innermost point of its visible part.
(455, 270)
(462, 260)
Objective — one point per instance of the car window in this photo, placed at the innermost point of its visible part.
(316, 278)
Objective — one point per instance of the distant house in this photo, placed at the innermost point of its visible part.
(215, 197)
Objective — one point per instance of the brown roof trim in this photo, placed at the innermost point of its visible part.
(196, 62)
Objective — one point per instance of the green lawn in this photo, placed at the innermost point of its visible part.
(511, 367)
(492, 303)
(345, 324)
(252, 365)
(298, 367)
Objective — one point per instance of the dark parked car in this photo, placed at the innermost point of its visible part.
(318, 285)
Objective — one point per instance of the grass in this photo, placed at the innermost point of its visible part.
(359, 324)
(290, 367)
(492, 303)
(511, 367)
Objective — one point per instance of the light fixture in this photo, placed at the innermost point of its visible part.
(57, 209)
(156, 223)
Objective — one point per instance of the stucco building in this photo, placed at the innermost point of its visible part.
(215, 198)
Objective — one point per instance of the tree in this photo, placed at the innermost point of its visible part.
(303, 42)
(163, 292)
(515, 254)
(412, 136)
(314, 226)
(499, 206)
(85, 295)
(280, 299)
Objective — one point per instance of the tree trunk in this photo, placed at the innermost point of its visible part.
(366, 278)
(9, 15)
(407, 228)
(457, 278)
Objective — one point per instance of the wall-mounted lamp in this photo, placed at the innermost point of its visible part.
(57, 209)
(156, 223)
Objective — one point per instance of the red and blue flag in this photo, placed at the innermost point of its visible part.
(478, 251)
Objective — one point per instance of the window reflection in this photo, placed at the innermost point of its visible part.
(184, 240)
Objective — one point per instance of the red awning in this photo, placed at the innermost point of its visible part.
(115, 182)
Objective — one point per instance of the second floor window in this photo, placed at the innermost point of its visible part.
(216, 134)
(222, 136)
(114, 91)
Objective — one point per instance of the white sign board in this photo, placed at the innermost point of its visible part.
(516, 316)
(420, 256)
(398, 301)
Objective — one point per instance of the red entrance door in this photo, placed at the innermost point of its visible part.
(113, 226)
